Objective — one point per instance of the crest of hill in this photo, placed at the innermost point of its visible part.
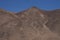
(32, 9)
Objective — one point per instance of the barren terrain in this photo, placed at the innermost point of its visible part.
(30, 24)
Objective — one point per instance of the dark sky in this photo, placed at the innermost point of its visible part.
(19, 5)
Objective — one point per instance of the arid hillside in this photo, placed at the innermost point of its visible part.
(54, 20)
(30, 24)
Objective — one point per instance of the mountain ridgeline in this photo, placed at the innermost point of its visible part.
(30, 24)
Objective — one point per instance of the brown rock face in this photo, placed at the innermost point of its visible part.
(32, 24)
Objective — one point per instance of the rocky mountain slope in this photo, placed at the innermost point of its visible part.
(31, 24)
(54, 20)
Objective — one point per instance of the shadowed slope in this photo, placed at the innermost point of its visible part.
(54, 20)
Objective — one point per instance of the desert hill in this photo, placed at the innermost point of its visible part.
(30, 24)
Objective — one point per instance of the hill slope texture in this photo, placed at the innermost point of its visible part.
(31, 24)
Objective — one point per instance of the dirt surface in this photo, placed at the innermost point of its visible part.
(31, 24)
